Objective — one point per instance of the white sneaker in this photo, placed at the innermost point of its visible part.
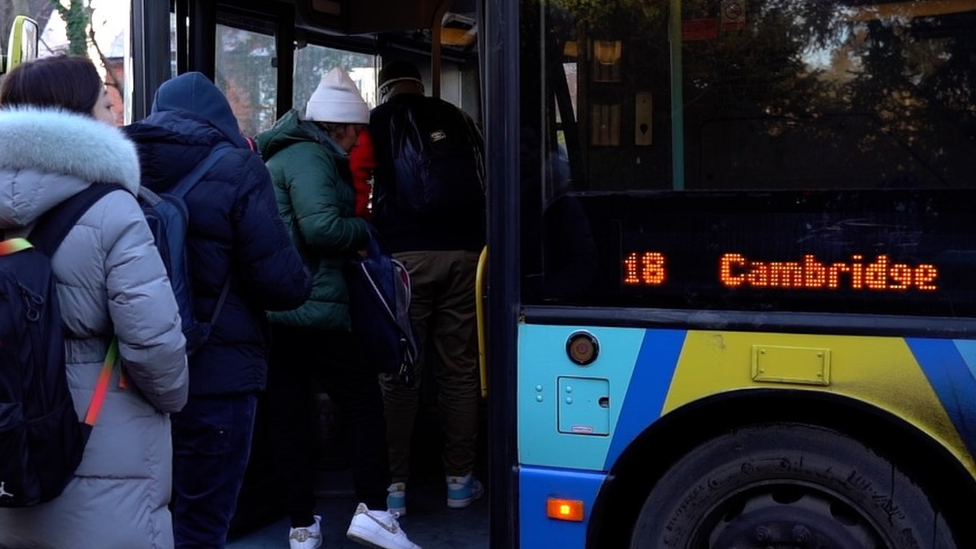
(378, 529)
(308, 537)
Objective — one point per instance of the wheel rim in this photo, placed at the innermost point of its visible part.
(787, 515)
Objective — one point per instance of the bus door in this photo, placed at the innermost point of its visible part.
(267, 57)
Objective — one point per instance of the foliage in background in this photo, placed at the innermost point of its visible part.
(77, 17)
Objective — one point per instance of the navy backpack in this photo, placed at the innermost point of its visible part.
(169, 218)
(436, 157)
(379, 309)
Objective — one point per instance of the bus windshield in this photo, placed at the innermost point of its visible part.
(845, 130)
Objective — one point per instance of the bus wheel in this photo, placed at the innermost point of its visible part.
(789, 486)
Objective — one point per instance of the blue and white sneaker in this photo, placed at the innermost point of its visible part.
(461, 491)
(396, 500)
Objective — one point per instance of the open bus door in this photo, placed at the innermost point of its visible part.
(439, 36)
(22, 45)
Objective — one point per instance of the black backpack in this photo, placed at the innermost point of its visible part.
(41, 438)
(436, 157)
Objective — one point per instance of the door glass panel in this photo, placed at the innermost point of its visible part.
(247, 76)
(312, 62)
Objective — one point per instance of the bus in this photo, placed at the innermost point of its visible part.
(729, 290)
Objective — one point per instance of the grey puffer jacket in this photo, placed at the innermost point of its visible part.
(111, 282)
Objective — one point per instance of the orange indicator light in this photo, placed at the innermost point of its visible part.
(564, 509)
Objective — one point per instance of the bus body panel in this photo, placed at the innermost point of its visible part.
(880, 371)
(540, 402)
(950, 366)
(536, 484)
(651, 373)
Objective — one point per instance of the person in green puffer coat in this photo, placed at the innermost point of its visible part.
(315, 198)
(308, 157)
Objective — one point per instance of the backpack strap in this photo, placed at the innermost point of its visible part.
(51, 228)
(183, 188)
(101, 387)
(220, 302)
(187, 184)
(191, 179)
(14, 245)
(46, 236)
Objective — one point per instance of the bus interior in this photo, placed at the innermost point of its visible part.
(267, 56)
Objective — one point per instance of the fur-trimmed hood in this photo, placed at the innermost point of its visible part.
(48, 155)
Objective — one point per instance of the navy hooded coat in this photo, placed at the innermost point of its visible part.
(234, 231)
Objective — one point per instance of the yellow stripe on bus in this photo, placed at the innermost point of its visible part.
(880, 371)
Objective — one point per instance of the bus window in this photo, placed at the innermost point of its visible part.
(246, 73)
(842, 122)
(742, 104)
(314, 61)
(851, 102)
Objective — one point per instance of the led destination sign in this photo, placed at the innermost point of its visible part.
(887, 252)
(736, 270)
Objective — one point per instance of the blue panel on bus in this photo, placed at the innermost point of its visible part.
(967, 350)
(950, 366)
(648, 388)
(543, 360)
(535, 487)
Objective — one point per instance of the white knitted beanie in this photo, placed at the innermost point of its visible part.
(337, 99)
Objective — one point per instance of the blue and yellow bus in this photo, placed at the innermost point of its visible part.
(730, 292)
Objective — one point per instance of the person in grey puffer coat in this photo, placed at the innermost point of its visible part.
(56, 141)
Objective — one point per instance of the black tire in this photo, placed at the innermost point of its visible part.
(786, 486)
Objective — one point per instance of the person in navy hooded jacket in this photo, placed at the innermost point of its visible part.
(235, 234)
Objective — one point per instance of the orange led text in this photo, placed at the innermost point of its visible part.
(736, 270)
(644, 269)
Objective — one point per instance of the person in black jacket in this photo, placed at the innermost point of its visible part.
(234, 234)
(440, 250)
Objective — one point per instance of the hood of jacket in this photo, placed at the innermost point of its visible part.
(49, 155)
(291, 129)
(171, 144)
(194, 92)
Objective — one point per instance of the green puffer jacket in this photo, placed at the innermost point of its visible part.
(313, 186)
